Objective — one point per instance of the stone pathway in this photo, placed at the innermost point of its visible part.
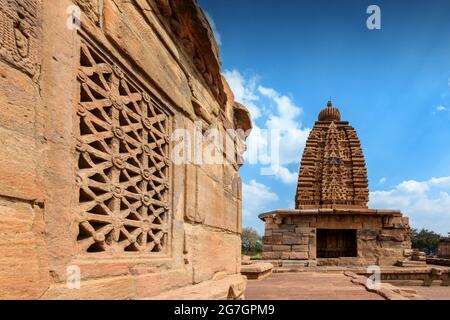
(307, 286)
(434, 293)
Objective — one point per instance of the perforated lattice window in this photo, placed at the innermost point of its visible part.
(123, 163)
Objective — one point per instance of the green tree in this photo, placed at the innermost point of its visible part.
(251, 242)
(425, 240)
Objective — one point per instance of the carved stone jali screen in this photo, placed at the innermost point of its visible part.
(123, 162)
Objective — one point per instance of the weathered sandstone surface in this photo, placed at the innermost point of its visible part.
(88, 185)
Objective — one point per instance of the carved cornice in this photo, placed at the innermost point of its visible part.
(188, 23)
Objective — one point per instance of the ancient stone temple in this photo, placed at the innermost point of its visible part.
(92, 203)
(332, 224)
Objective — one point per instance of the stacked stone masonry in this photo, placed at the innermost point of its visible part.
(88, 183)
(382, 238)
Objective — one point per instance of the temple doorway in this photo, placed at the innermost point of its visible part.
(336, 243)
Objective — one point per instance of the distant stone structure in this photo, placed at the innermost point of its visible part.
(443, 254)
(88, 187)
(444, 248)
(332, 224)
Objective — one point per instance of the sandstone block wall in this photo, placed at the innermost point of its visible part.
(381, 240)
(86, 173)
(444, 248)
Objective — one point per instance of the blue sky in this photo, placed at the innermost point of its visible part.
(285, 59)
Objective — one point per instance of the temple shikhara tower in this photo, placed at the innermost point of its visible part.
(332, 224)
(333, 171)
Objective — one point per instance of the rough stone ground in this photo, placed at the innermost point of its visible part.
(434, 293)
(308, 286)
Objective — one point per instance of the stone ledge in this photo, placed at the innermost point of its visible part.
(411, 264)
(257, 271)
(337, 211)
(439, 261)
(227, 288)
(290, 265)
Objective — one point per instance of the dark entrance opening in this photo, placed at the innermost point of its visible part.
(336, 243)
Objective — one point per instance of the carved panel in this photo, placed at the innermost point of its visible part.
(123, 162)
(19, 31)
(334, 189)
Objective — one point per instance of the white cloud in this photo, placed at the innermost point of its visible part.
(442, 108)
(286, 108)
(284, 123)
(244, 91)
(442, 182)
(427, 203)
(286, 176)
(281, 121)
(413, 187)
(256, 198)
(214, 28)
(382, 180)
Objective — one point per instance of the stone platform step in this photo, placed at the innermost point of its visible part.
(222, 287)
(257, 271)
(410, 264)
(439, 261)
(291, 264)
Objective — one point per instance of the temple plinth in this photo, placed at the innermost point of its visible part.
(332, 223)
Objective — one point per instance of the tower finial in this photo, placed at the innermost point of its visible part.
(330, 113)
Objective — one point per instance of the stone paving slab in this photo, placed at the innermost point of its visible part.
(308, 286)
(434, 293)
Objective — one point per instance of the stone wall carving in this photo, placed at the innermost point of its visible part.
(334, 186)
(123, 162)
(19, 32)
